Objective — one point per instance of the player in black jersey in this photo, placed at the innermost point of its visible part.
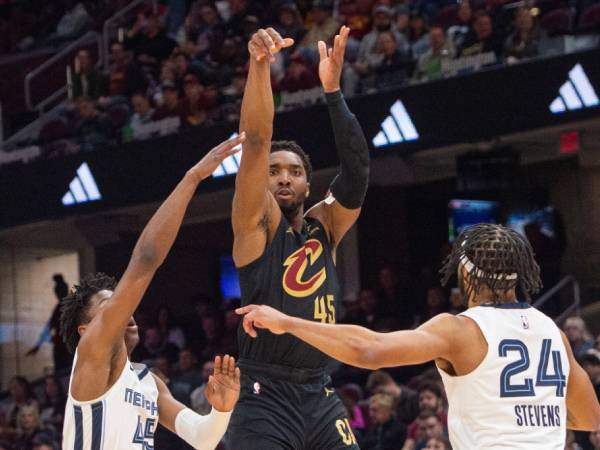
(286, 259)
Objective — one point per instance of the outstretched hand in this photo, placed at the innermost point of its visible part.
(215, 157)
(267, 42)
(262, 316)
(223, 388)
(332, 60)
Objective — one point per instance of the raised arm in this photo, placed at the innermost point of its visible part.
(222, 392)
(253, 205)
(108, 326)
(356, 345)
(583, 410)
(341, 209)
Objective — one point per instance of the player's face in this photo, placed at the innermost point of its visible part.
(428, 399)
(287, 181)
(99, 301)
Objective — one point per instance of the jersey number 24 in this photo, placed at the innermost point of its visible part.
(526, 389)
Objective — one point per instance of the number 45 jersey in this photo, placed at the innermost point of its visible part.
(515, 399)
(125, 417)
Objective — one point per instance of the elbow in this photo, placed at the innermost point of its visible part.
(146, 257)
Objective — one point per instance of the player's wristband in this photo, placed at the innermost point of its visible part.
(201, 432)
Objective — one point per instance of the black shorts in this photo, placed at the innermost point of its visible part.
(283, 410)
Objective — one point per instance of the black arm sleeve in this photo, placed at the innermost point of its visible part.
(350, 185)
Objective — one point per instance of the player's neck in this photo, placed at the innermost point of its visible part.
(295, 219)
(485, 297)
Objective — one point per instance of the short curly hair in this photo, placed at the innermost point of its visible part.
(294, 147)
(75, 306)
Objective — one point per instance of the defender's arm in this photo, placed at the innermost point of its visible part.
(202, 432)
(359, 346)
(108, 327)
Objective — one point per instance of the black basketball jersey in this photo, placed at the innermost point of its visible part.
(296, 275)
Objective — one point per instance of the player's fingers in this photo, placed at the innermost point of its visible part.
(232, 367)
(336, 44)
(275, 37)
(343, 41)
(267, 41)
(330, 52)
(287, 42)
(218, 365)
(232, 143)
(249, 326)
(225, 367)
(237, 375)
(245, 309)
(322, 50)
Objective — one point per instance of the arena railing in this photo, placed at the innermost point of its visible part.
(573, 308)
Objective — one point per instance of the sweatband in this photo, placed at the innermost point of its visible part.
(349, 187)
(202, 432)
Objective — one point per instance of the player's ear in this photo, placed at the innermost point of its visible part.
(81, 329)
(307, 190)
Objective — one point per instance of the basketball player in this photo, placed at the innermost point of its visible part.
(112, 404)
(286, 259)
(510, 375)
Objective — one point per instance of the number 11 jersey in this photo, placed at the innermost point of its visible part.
(515, 398)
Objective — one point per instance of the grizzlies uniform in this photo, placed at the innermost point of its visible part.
(286, 401)
(124, 417)
(515, 399)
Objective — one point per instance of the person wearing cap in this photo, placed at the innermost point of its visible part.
(169, 106)
(197, 103)
(368, 52)
(324, 26)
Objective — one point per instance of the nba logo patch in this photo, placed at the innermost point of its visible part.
(257, 388)
(525, 322)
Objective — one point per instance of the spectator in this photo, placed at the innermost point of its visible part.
(92, 129)
(180, 66)
(438, 443)
(20, 396)
(197, 104)
(232, 95)
(524, 42)
(198, 399)
(369, 54)
(407, 405)
(299, 76)
(356, 14)
(212, 326)
(187, 370)
(203, 29)
(429, 426)
(435, 303)
(324, 27)
(154, 344)
(458, 33)
(87, 80)
(418, 37)
(289, 22)
(371, 310)
(579, 337)
(385, 431)
(149, 43)
(394, 66)
(72, 24)
(124, 78)
(229, 343)
(30, 428)
(169, 329)
(61, 356)
(430, 66)
(402, 20)
(239, 10)
(142, 110)
(392, 298)
(590, 362)
(430, 400)
(169, 106)
(53, 402)
(482, 38)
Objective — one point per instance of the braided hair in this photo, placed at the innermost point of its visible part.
(75, 305)
(496, 257)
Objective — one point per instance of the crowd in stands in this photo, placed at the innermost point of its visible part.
(397, 409)
(174, 68)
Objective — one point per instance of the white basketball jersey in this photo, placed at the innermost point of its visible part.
(515, 399)
(125, 417)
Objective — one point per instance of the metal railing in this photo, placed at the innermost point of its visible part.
(574, 308)
(89, 37)
(108, 26)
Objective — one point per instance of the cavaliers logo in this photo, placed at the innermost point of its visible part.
(296, 265)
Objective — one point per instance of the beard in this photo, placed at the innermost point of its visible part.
(291, 208)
